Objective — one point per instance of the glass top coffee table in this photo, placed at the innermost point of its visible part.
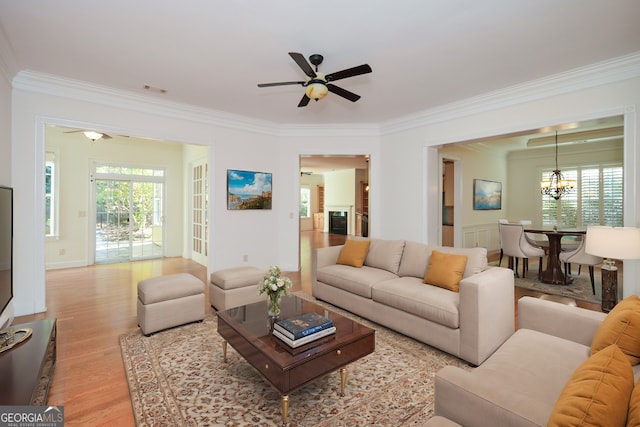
(248, 330)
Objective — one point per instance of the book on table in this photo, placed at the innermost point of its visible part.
(304, 340)
(303, 325)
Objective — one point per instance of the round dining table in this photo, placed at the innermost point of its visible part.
(553, 272)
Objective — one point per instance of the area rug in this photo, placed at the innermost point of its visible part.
(579, 289)
(178, 378)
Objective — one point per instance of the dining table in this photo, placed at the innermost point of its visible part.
(553, 273)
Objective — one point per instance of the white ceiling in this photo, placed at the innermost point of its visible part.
(212, 53)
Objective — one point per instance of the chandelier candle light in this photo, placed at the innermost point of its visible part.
(612, 243)
(556, 186)
(275, 287)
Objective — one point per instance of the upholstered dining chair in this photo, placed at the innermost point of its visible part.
(514, 244)
(581, 257)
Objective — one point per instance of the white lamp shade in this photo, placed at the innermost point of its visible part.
(613, 242)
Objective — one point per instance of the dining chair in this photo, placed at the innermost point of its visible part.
(514, 244)
(581, 257)
(501, 221)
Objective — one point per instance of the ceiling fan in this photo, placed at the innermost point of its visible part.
(91, 134)
(319, 84)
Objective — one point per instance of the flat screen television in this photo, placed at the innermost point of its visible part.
(6, 257)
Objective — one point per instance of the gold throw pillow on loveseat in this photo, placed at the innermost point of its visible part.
(598, 392)
(621, 327)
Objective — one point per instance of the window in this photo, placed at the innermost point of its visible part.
(305, 202)
(50, 196)
(597, 201)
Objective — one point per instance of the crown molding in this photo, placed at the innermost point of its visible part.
(66, 88)
(618, 69)
(594, 75)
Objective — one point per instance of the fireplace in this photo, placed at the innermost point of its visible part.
(338, 222)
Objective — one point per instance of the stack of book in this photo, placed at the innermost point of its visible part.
(303, 329)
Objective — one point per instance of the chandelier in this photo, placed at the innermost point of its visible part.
(556, 186)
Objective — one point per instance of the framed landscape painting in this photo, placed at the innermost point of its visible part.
(487, 195)
(248, 190)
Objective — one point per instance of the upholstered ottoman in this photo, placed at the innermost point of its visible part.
(168, 301)
(233, 287)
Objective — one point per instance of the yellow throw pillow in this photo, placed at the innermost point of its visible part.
(621, 327)
(633, 417)
(597, 393)
(354, 252)
(445, 270)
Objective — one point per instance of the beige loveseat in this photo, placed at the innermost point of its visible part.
(520, 384)
(389, 289)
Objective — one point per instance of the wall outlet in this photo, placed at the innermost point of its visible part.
(62, 251)
(245, 258)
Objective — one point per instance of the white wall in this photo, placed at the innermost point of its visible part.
(312, 182)
(5, 131)
(75, 156)
(340, 195)
(411, 159)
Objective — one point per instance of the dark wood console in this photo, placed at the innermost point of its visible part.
(27, 369)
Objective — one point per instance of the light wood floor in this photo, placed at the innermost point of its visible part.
(95, 305)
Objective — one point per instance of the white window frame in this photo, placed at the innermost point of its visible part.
(305, 189)
(51, 160)
(577, 198)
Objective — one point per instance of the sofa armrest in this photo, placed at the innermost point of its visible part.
(563, 321)
(487, 312)
(322, 257)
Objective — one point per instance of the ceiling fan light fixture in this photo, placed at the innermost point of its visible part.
(316, 90)
(93, 136)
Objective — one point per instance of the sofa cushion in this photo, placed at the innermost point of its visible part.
(385, 254)
(621, 327)
(415, 259)
(354, 252)
(502, 389)
(445, 270)
(410, 295)
(633, 417)
(355, 280)
(476, 259)
(597, 393)
(416, 256)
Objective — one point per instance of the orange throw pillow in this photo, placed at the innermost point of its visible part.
(621, 327)
(597, 393)
(633, 417)
(445, 270)
(354, 252)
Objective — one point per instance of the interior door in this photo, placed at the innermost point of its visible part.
(199, 212)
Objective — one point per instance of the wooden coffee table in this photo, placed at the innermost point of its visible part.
(248, 330)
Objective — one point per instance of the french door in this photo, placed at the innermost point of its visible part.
(128, 218)
(199, 212)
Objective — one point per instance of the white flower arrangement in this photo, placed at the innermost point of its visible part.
(274, 285)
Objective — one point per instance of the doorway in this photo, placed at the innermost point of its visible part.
(129, 221)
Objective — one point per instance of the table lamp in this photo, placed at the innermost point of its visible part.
(612, 243)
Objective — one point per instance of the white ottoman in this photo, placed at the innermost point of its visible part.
(168, 301)
(233, 287)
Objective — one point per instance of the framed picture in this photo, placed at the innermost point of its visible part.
(248, 190)
(487, 195)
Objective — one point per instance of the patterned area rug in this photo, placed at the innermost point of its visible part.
(177, 378)
(580, 289)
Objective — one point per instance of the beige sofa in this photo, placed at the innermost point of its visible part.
(389, 289)
(521, 382)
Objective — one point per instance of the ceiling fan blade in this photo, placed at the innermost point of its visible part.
(302, 63)
(343, 92)
(349, 72)
(279, 84)
(304, 101)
